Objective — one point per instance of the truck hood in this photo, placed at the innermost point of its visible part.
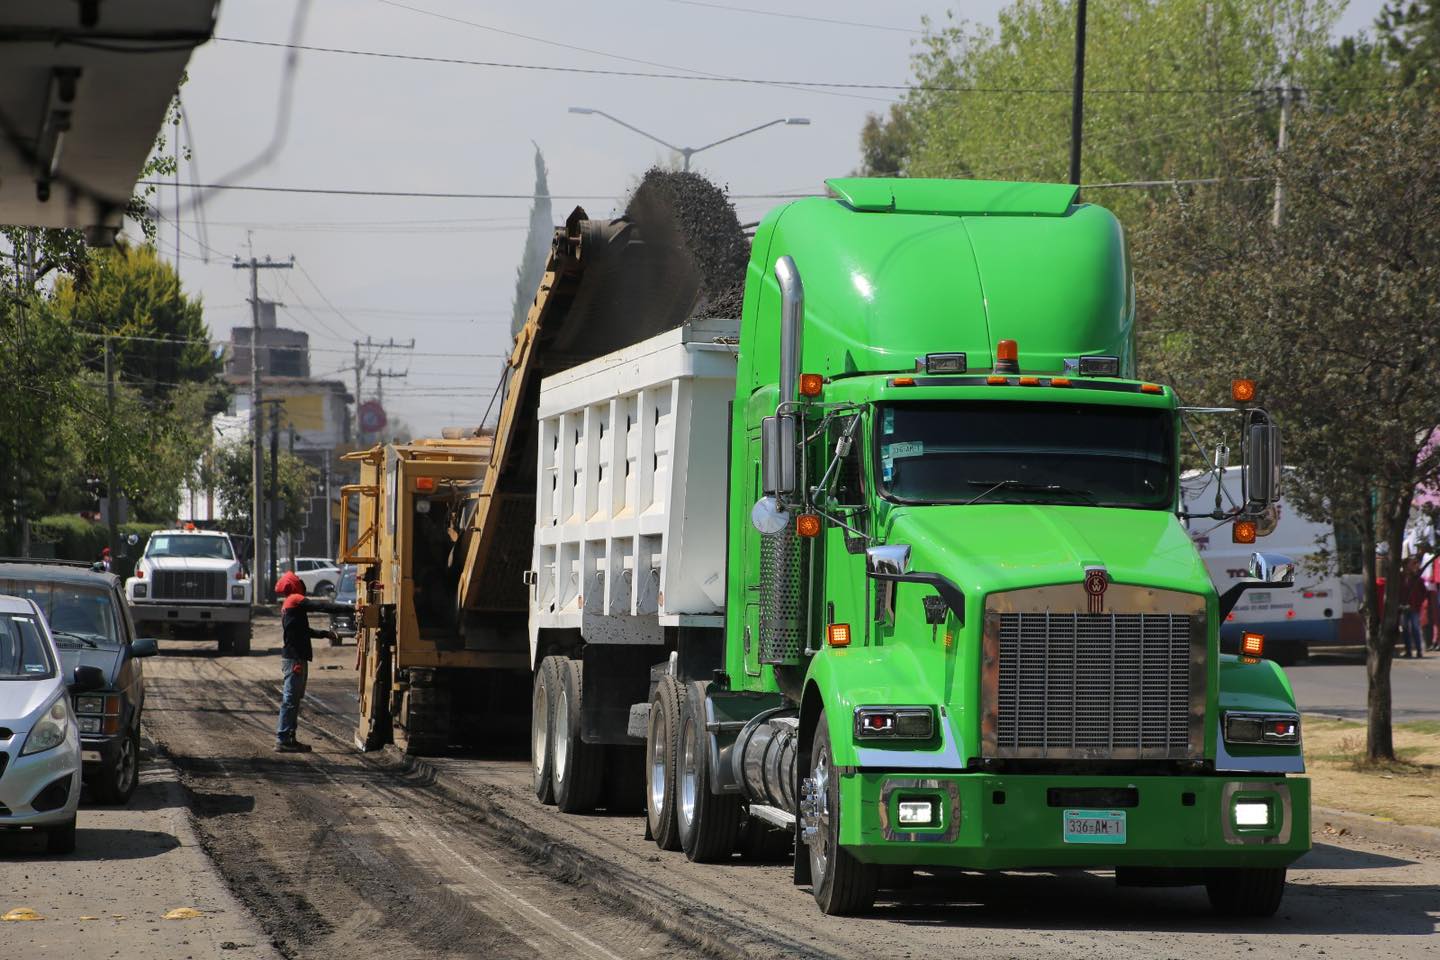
(187, 563)
(987, 548)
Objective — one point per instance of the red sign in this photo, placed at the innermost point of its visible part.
(372, 417)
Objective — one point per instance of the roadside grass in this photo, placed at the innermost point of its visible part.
(1406, 790)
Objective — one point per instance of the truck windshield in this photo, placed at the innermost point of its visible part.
(189, 545)
(1008, 452)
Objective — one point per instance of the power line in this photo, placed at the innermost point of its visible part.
(797, 16)
(316, 287)
(435, 195)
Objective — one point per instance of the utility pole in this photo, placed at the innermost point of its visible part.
(274, 493)
(1282, 142)
(257, 455)
(380, 377)
(325, 479)
(1077, 103)
(373, 349)
(359, 373)
(110, 487)
(289, 538)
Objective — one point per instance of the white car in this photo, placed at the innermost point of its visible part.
(191, 580)
(320, 576)
(40, 765)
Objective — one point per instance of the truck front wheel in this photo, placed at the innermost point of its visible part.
(239, 637)
(841, 884)
(1246, 891)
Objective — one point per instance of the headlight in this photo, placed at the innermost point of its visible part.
(49, 731)
(89, 724)
(107, 705)
(1273, 729)
(142, 590)
(237, 592)
(894, 723)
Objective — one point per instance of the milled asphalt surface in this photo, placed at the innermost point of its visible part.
(1334, 683)
(131, 866)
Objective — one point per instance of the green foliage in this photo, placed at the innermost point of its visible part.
(232, 475)
(68, 537)
(885, 143)
(1409, 37)
(537, 247)
(1335, 312)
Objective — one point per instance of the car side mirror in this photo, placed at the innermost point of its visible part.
(88, 678)
(1272, 568)
(144, 647)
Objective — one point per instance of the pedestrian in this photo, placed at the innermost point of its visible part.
(295, 657)
(1412, 600)
(105, 559)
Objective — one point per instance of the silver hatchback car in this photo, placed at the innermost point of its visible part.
(39, 738)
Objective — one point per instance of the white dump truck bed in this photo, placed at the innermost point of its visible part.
(630, 498)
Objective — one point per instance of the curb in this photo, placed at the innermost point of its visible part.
(1368, 827)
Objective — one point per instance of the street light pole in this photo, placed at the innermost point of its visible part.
(687, 152)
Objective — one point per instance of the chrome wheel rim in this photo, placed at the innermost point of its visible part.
(125, 765)
(540, 728)
(819, 843)
(562, 734)
(659, 757)
(689, 775)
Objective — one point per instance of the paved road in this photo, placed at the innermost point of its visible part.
(376, 857)
(1336, 684)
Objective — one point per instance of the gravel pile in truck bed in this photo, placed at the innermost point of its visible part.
(688, 213)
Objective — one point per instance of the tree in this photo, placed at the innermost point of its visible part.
(232, 485)
(1336, 311)
(885, 143)
(1174, 89)
(537, 247)
(1409, 36)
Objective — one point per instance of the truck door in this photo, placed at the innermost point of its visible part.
(751, 559)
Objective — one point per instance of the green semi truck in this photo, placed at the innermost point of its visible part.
(895, 568)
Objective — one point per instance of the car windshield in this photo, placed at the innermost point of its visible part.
(189, 545)
(1009, 452)
(24, 655)
(79, 616)
(346, 590)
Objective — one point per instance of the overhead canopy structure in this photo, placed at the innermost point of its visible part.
(84, 86)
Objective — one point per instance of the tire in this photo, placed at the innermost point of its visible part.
(61, 838)
(542, 737)
(624, 793)
(709, 823)
(1246, 891)
(577, 767)
(841, 884)
(226, 640)
(117, 784)
(662, 746)
(324, 589)
(761, 842)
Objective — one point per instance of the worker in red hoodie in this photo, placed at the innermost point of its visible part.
(295, 657)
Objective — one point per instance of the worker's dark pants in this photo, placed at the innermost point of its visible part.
(290, 702)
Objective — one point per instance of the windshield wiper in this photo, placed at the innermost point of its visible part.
(993, 485)
(75, 636)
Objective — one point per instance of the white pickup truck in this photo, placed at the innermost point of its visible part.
(192, 580)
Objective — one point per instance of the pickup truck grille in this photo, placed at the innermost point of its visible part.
(1064, 684)
(188, 585)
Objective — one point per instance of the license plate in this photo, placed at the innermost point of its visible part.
(1094, 826)
(1259, 598)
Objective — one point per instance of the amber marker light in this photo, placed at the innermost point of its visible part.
(1151, 388)
(997, 381)
(1242, 391)
(903, 382)
(1243, 531)
(838, 634)
(1007, 357)
(807, 525)
(425, 484)
(1029, 381)
(811, 384)
(1059, 381)
(1252, 644)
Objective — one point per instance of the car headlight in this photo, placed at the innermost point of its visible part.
(89, 724)
(49, 731)
(1273, 729)
(142, 590)
(894, 723)
(237, 592)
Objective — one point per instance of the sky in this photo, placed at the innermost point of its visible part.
(442, 271)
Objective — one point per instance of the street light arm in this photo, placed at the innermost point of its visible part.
(737, 136)
(648, 136)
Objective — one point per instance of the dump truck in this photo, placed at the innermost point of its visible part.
(893, 569)
(444, 525)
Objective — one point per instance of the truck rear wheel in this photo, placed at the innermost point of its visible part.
(542, 721)
(1246, 891)
(708, 822)
(577, 766)
(662, 746)
(841, 884)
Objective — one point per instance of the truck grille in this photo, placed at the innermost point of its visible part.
(1074, 685)
(188, 585)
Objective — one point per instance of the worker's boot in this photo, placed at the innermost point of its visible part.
(291, 746)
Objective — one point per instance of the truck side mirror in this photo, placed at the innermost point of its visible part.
(1272, 568)
(1262, 464)
(889, 559)
(777, 456)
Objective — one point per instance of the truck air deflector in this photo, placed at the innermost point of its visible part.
(954, 197)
